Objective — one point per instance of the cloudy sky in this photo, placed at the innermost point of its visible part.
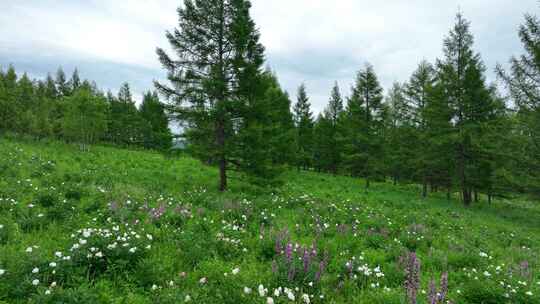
(312, 41)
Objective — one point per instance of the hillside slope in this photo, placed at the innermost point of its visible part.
(119, 226)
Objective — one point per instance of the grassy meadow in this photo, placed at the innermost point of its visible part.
(121, 226)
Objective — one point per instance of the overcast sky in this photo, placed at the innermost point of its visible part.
(312, 41)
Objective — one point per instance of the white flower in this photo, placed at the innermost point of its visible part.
(29, 250)
(149, 236)
(154, 287)
(52, 264)
(35, 282)
(269, 300)
(35, 270)
(290, 295)
(99, 254)
(247, 290)
(47, 292)
(202, 280)
(262, 290)
(483, 254)
(53, 284)
(58, 254)
(2, 272)
(235, 271)
(529, 293)
(305, 297)
(1, 226)
(187, 298)
(132, 250)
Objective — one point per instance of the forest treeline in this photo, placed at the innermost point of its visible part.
(446, 128)
(76, 110)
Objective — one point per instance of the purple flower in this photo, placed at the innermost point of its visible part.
(412, 281)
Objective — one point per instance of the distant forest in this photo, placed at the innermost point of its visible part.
(445, 129)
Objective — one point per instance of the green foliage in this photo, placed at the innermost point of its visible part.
(84, 117)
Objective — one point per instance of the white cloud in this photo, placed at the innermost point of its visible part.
(311, 41)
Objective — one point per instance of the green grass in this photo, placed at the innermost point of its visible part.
(184, 238)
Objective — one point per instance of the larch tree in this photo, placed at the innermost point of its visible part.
(523, 82)
(461, 76)
(365, 115)
(303, 119)
(215, 84)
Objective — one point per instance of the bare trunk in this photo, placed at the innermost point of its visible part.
(221, 158)
(424, 188)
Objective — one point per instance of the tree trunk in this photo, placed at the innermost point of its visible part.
(467, 197)
(222, 160)
(424, 188)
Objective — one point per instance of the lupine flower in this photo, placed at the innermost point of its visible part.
(412, 282)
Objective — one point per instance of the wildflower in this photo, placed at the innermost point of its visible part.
(187, 298)
(1, 226)
(52, 264)
(58, 254)
(269, 300)
(53, 284)
(203, 280)
(99, 254)
(35, 282)
(290, 294)
(305, 298)
(154, 287)
(35, 270)
(235, 271)
(2, 272)
(262, 290)
(29, 250)
(247, 290)
(132, 250)
(529, 293)
(47, 292)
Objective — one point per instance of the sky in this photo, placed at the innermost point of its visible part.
(316, 42)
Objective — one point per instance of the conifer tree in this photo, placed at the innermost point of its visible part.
(216, 84)
(365, 122)
(62, 84)
(461, 75)
(418, 93)
(523, 82)
(303, 118)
